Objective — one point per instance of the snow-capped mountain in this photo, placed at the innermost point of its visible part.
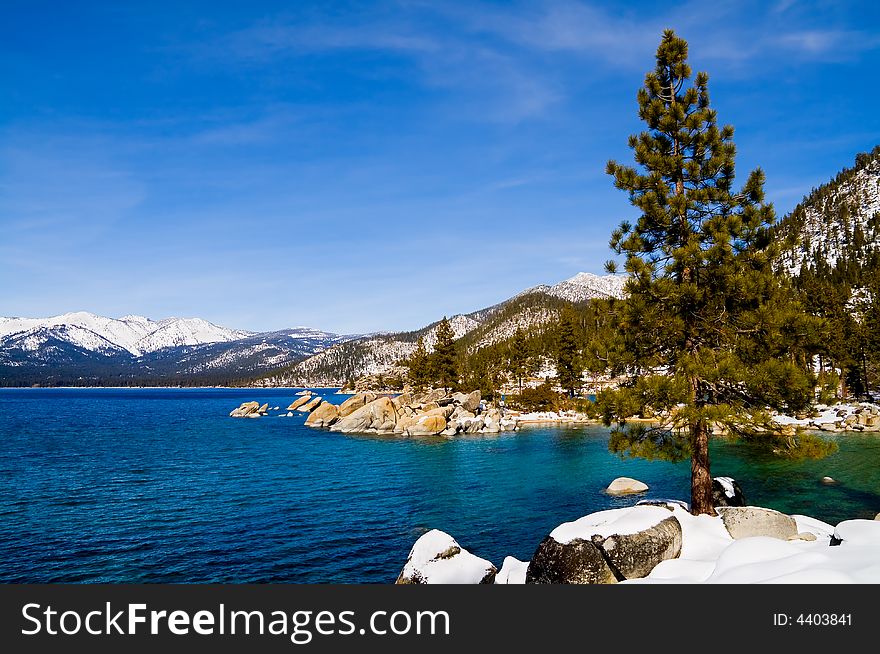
(82, 347)
(534, 309)
(136, 334)
(584, 286)
(837, 222)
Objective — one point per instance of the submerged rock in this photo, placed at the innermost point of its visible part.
(749, 521)
(436, 558)
(626, 486)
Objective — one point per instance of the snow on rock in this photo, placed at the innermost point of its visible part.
(807, 525)
(513, 571)
(607, 547)
(436, 558)
(630, 520)
(858, 532)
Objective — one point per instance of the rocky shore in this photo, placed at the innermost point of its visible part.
(430, 414)
(659, 541)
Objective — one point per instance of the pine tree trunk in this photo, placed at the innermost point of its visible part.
(701, 477)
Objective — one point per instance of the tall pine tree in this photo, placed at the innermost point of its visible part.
(519, 357)
(707, 328)
(569, 366)
(419, 366)
(443, 359)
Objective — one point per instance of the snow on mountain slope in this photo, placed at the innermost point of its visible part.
(135, 334)
(176, 332)
(583, 287)
(836, 220)
(378, 354)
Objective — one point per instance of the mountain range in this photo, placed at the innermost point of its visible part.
(82, 348)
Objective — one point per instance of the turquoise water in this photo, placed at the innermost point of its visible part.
(160, 485)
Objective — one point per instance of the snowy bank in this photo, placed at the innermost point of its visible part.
(662, 543)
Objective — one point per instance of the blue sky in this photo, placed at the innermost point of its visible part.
(361, 166)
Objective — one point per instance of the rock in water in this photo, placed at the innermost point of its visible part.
(429, 425)
(607, 547)
(354, 403)
(305, 399)
(311, 405)
(245, 409)
(324, 415)
(727, 492)
(436, 558)
(626, 486)
(829, 481)
(748, 521)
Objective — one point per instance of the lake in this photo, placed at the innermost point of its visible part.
(160, 485)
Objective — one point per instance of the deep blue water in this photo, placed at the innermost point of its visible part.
(140, 485)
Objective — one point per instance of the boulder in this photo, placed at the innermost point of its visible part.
(828, 481)
(576, 562)
(626, 486)
(357, 421)
(354, 403)
(607, 547)
(305, 399)
(323, 416)
(445, 411)
(383, 415)
(244, 409)
(474, 426)
(877, 517)
(513, 571)
(748, 521)
(428, 425)
(726, 492)
(311, 405)
(472, 402)
(491, 425)
(379, 415)
(264, 409)
(436, 558)
(401, 401)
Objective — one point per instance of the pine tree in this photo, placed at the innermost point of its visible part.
(707, 327)
(519, 357)
(419, 366)
(569, 367)
(443, 359)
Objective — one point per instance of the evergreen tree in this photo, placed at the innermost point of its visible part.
(569, 367)
(419, 366)
(707, 327)
(519, 357)
(443, 360)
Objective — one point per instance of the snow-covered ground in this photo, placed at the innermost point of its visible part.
(818, 553)
(853, 415)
